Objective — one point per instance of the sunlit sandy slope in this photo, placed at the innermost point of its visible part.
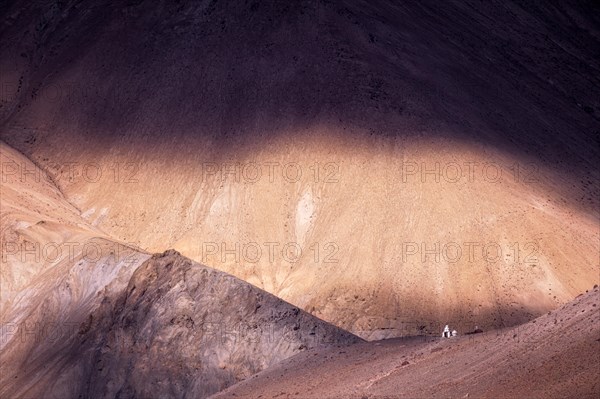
(54, 267)
(42, 234)
(188, 126)
(75, 320)
(374, 245)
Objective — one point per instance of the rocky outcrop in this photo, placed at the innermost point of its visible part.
(184, 330)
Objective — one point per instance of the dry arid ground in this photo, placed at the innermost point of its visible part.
(554, 356)
(370, 169)
(85, 316)
(426, 162)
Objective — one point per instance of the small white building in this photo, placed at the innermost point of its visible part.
(446, 333)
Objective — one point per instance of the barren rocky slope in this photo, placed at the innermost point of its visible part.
(183, 330)
(386, 167)
(75, 320)
(53, 269)
(376, 164)
(555, 356)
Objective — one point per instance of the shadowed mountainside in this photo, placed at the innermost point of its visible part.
(554, 356)
(184, 330)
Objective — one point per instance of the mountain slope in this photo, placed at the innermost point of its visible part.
(75, 303)
(555, 356)
(184, 330)
(53, 270)
(376, 164)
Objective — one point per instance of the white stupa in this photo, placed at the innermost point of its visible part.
(446, 332)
